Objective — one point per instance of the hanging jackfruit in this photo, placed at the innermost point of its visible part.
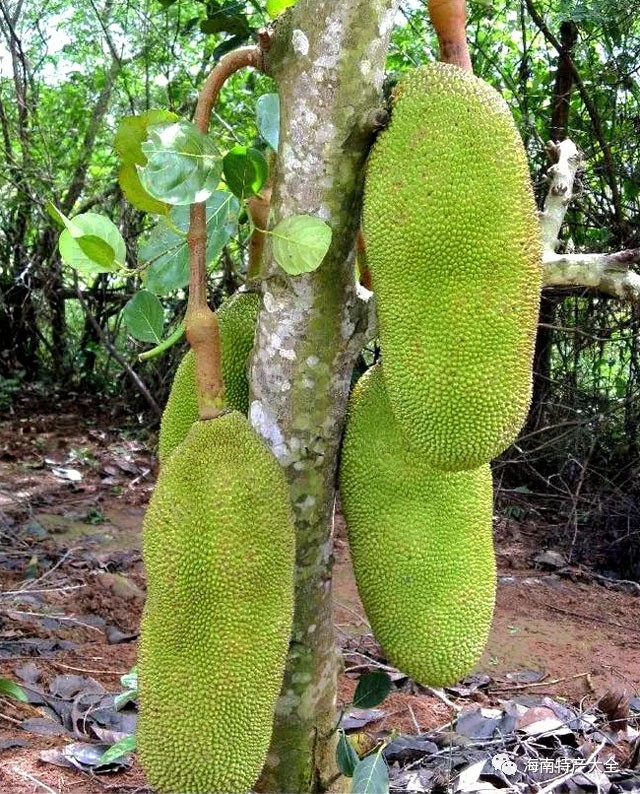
(421, 544)
(218, 543)
(454, 247)
(237, 319)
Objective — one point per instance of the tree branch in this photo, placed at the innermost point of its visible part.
(137, 380)
(608, 273)
(449, 18)
(201, 323)
(562, 177)
(610, 168)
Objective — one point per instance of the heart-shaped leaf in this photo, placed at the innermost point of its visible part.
(98, 248)
(346, 757)
(183, 164)
(144, 317)
(300, 243)
(373, 688)
(245, 170)
(371, 776)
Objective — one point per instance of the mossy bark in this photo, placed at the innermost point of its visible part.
(328, 59)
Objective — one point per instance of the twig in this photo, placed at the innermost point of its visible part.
(438, 693)
(416, 725)
(545, 682)
(593, 618)
(61, 589)
(61, 561)
(13, 612)
(33, 779)
(140, 385)
(82, 670)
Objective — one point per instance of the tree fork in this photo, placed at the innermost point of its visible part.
(328, 61)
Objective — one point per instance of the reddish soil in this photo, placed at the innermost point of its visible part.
(585, 638)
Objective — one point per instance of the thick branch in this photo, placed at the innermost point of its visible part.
(562, 176)
(449, 18)
(609, 273)
(202, 328)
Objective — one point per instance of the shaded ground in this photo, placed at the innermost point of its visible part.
(73, 487)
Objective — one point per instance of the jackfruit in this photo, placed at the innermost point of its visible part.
(237, 319)
(421, 544)
(454, 247)
(218, 544)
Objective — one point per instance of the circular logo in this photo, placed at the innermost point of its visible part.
(503, 763)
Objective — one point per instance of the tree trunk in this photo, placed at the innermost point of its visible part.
(328, 61)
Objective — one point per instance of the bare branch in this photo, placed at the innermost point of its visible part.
(562, 177)
(608, 273)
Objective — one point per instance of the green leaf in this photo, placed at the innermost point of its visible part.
(300, 243)
(121, 700)
(276, 7)
(10, 689)
(130, 679)
(245, 170)
(235, 24)
(183, 164)
(268, 119)
(61, 219)
(227, 46)
(98, 248)
(371, 776)
(132, 133)
(372, 689)
(117, 750)
(166, 252)
(346, 757)
(135, 194)
(144, 317)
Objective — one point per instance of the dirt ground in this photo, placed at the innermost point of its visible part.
(73, 486)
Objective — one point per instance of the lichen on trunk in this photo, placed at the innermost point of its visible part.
(328, 61)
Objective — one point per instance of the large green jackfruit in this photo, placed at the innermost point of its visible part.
(218, 543)
(421, 544)
(454, 247)
(237, 319)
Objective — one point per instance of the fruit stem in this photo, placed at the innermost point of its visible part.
(202, 328)
(449, 18)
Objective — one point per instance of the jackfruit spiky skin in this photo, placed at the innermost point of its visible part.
(421, 544)
(237, 319)
(218, 543)
(454, 247)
